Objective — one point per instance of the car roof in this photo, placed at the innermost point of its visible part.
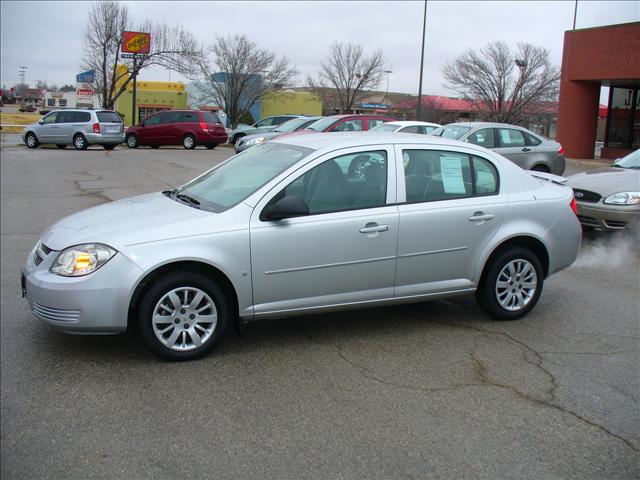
(405, 123)
(483, 124)
(337, 140)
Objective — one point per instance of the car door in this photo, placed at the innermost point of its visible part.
(450, 206)
(47, 130)
(148, 133)
(64, 127)
(343, 251)
(511, 143)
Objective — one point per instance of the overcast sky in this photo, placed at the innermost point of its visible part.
(47, 37)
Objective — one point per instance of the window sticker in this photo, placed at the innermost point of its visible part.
(505, 137)
(451, 169)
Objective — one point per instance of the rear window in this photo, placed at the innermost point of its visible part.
(108, 117)
(210, 117)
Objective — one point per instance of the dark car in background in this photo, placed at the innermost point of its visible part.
(188, 128)
(292, 125)
(523, 147)
(348, 123)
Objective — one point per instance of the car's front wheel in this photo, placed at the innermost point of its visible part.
(31, 140)
(132, 141)
(183, 316)
(512, 284)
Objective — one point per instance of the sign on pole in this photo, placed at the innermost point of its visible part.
(136, 42)
(86, 77)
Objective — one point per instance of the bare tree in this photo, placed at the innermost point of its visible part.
(348, 73)
(67, 88)
(173, 48)
(505, 86)
(42, 85)
(242, 74)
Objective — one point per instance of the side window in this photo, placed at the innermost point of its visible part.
(348, 182)
(187, 117)
(486, 177)
(265, 122)
(280, 120)
(374, 122)
(170, 117)
(82, 117)
(152, 120)
(483, 137)
(531, 140)
(354, 125)
(65, 117)
(510, 137)
(426, 129)
(51, 118)
(411, 129)
(432, 175)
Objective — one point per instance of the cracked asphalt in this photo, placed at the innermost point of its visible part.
(431, 390)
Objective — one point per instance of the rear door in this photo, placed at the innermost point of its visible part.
(450, 206)
(511, 143)
(110, 124)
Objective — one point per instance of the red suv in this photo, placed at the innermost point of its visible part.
(178, 127)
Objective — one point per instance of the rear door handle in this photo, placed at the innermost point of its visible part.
(374, 227)
(480, 217)
(525, 149)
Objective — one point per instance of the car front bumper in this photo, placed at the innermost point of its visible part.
(608, 217)
(92, 304)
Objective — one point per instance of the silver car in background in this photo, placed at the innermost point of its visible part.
(289, 126)
(263, 125)
(287, 228)
(523, 147)
(76, 127)
(406, 126)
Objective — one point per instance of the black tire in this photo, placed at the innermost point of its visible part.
(154, 146)
(31, 140)
(487, 294)
(131, 141)
(211, 146)
(237, 137)
(541, 168)
(79, 142)
(61, 146)
(109, 146)
(161, 287)
(189, 142)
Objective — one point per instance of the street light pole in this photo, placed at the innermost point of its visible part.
(388, 72)
(424, 28)
(575, 13)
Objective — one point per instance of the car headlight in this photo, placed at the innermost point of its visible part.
(82, 259)
(255, 141)
(624, 198)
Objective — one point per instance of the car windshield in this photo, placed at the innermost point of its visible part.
(231, 182)
(322, 124)
(290, 125)
(630, 161)
(451, 131)
(385, 127)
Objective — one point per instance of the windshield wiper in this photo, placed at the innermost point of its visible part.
(188, 199)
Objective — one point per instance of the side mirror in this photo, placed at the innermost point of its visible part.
(289, 206)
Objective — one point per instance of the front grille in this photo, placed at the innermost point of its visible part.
(588, 221)
(586, 196)
(56, 314)
(37, 259)
(46, 250)
(40, 251)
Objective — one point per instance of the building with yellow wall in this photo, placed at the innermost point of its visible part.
(151, 97)
(290, 102)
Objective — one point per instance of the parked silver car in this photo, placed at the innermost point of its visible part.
(263, 125)
(406, 126)
(523, 147)
(293, 125)
(284, 229)
(609, 198)
(79, 128)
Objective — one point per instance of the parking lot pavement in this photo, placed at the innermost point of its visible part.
(431, 390)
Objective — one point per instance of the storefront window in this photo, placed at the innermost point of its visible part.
(51, 102)
(63, 102)
(622, 126)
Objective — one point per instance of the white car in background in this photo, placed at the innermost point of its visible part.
(407, 126)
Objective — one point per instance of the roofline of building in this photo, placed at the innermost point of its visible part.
(602, 27)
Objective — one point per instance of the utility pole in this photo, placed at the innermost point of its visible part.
(575, 13)
(388, 72)
(22, 71)
(424, 28)
(135, 81)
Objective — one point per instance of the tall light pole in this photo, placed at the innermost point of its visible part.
(388, 72)
(424, 28)
(22, 71)
(575, 13)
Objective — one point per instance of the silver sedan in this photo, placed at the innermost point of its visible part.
(523, 147)
(289, 227)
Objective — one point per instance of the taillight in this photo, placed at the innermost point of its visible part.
(96, 128)
(204, 127)
(574, 207)
(560, 150)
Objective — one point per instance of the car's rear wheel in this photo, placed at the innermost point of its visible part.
(189, 142)
(79, 142)
(511, 285)
(109, 146)
(211, 146)
(183, 316)
(61, 146)
(132, 141)
(31, 140)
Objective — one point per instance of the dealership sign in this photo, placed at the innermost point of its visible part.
(380, 106)
(86, 77)
(136, 42)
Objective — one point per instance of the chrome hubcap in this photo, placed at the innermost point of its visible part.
(79, 142)
(131, 142)
(188, 142)
(184, 319)
(31, 141)
(516, 285)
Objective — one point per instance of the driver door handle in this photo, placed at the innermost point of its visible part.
(480, 217)
(374, 227)
(525, 149)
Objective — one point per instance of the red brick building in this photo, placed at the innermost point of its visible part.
(595, 57)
